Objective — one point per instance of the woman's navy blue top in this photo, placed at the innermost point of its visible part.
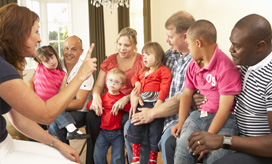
(7, 72)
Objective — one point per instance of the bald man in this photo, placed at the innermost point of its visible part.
(72, 50)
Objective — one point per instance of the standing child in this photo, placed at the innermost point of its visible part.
(48, 80)
(216, 77)
(111, 129)
(153, 85)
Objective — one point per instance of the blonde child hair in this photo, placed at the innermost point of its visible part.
(118, 72)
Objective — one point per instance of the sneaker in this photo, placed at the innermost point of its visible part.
(75, 135)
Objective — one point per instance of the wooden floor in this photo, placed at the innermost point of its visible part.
(77, 144)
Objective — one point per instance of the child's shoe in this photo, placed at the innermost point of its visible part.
(76, 135)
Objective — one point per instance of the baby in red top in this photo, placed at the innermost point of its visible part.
(152, 84)
(111, 133)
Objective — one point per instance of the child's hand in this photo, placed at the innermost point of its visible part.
(119, 105)
(158, 103)
(132, 111)
(114, 111)
(134, 101)
(175, 130)
(202, 154)
(137, 89)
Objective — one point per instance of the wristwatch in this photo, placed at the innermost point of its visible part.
(227, 140)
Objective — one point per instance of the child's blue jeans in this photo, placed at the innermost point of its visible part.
(105, 139)
(195, 123)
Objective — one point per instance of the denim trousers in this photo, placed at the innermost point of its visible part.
(145, 148)
(105, 139)
(243, 158)
(196, 123)
(93, 123)
(61, 133)
(64, 119)
(136, 134)
(167, 150)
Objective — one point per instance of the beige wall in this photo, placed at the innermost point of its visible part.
(111, 30)
(80, 22)
(223, 14)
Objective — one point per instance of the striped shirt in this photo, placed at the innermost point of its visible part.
(255, 99)
(177, 63)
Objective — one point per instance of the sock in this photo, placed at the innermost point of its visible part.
(136, 152)
(153, 157)
(71, 127)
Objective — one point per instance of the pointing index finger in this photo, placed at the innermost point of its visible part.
(89, 53)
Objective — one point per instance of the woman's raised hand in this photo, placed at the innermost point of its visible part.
(89, 65)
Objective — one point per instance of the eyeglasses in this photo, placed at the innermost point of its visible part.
(114, 82)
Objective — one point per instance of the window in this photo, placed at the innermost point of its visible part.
(137, 21)
(58, 24)
(55, 22)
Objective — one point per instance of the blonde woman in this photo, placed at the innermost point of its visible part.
(128, 60)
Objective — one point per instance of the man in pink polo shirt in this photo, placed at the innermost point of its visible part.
(215, 76)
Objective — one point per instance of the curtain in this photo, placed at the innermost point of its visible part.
(123, 18)
(4, 2)
(147, 21)
(97, 36)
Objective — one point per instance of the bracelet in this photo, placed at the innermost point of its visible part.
(53, 141)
